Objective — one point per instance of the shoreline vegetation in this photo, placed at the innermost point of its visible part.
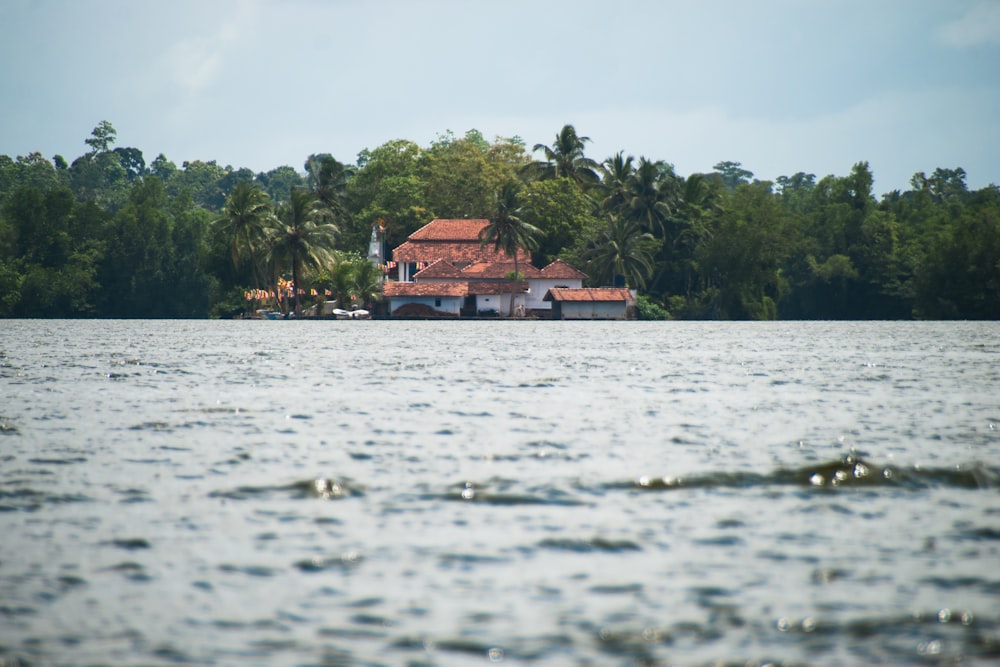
(110, 236)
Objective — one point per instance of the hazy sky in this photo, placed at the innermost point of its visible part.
(779, 85)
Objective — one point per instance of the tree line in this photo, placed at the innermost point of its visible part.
(109, 235)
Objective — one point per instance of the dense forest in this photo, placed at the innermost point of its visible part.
(108, 235)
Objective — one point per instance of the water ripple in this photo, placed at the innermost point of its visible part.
(850, 471)
(327, 489)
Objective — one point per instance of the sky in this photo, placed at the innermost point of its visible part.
(780, 86)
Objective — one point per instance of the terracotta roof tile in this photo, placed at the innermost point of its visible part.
(456, 241)
(395, 289)
(561, 270)
(450, 230)
(439, 269)
(601, 294)
(499, 270)
(457, 253)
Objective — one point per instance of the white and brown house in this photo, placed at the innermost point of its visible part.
(590, 303)
(444, 271)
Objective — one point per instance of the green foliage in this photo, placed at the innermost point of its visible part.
(386, 187)
(203, 182)
(230, 304)
(107, 234)
(243, 226)
(100, 177)
(352, 279)
(652, 192)
(732, 174)
(461, 176)
(561, 212)
(621, 249)
(836, 267)
(507, 231)
(327, 179)
(101, 138)
(961, 279)
(566, 159)
(10, 288)
(30, 170)
(136, 268)
(649, 310)
(744, 257)
(302, 239)
(279, 182)
(162, 168)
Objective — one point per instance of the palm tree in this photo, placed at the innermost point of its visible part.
(565, 158)
(694, 217)
(327, 180)
(622, 249)
(652, 195)
(341, 277)
(245, 218)
(507, 231)
(303, 237)
(367, 281)
(353, 279)
(617, 172)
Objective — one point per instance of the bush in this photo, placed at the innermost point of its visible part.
(650, 310)
(233, 304)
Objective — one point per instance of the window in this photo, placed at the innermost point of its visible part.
(437, 303)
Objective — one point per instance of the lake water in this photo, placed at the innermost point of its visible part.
(525, 493)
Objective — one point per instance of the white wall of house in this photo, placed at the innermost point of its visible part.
(593, 310)
(444, 304)
(539, 286)
(499, 302)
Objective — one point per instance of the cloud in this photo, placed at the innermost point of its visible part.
(979, 27)
(195, 63)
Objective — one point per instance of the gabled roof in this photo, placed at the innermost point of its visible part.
(394, 289)
(450, 230)
(560, 270)
(498, 270)
(456, 241)
(440, 269)
(600, 294)
(456, 252)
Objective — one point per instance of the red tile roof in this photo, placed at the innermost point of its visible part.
(456, 241)
(450, 230)
(394, 289)
(463, 253)
(498, 270)
(439, 269)
(563, 271)
(601, 294)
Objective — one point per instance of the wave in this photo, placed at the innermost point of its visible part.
(845, 473)
(327, 489)
(849, 471)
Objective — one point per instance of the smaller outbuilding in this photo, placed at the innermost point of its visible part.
(590, 303)
(425, 299)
